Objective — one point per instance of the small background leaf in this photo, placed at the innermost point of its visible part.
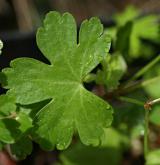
(113, 68)
(22, 148)
(153, 157)
(111, 148)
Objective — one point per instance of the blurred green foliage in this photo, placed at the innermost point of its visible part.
(144, 27)
(113, 143)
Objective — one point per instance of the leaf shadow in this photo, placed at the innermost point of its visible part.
(12, 126)
(3, 82)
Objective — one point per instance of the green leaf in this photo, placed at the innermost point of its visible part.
(72, 107)
(113, 138)
(153, 88)
(7, 106)
(153, 158)
(123, 38)
(113, 68)
(150, 24)
(153, 91)
(25, 121)
(128, 115)
(89, 78)
(32, 109)
(18, 122)
(154, 115)
(22, 148)
(130, 13)
(8, 126)
(111, 31)
(1, 46)
(9, 130)
(12, 123)
(110, 151)
(147, 22)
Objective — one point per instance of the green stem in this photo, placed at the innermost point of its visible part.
(148, 106)
(137, 102)
(12, 116)
(131, 87)
(139, 84)
(146, 130)
(144, 69)
(131, 100)
(146, 125)
(154, 101)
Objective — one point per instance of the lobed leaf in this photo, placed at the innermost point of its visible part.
(72, 107)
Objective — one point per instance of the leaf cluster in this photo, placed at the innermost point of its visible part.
(49, 103)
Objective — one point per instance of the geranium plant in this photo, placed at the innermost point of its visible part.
(48, 103)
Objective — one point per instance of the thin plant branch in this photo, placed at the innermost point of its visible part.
(146, 132)
(144, 69)
(148, 105)
(12, 116)
(131, 100)
(138, 84)
(131, 87)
